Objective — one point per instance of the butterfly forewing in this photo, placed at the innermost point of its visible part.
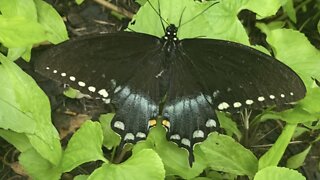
(118, 68)
(237, 76)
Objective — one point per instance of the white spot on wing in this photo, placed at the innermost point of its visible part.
(63, 74)
(119, 125)
(55, 71)
(249, 102)
(82, 84)
(106, 101)
(291, 93)
(175, 137)
(261, 98)
(186, 142)
(282, 95)
(117, 89)
(211, 123)
(47, 68)
(237, 104)
(103, 93)
(91, 88)
(272, 96)
(223, 106)
(128, 136)
(72, 78)
(141, 135)
(215, 93)
(198, 134)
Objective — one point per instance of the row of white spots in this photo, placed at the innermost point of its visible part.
(102, 92)
(196, 134)
(224, 105)
(130, 136)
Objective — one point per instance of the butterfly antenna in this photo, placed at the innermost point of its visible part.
(199, 13)
(159, 14)
(181, 17)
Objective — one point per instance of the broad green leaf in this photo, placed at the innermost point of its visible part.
(223, 153)
(20, 32)
(294, 49)
(298, 160)
(296, 115)
(268, 8)
(275, 153)
(110, 138)
(19, 140)
(219, 21)
(15, 53)
(84, 146)
(37, 167)
(14, 8)
(52, 22)
(179, 165)
(278, 173)
(145, 164)
(26, 109)
(81, 177)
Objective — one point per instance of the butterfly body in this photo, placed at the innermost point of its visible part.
(190, 78)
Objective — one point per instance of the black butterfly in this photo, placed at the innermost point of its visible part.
(183, 81)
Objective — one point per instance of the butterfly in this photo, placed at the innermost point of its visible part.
(182, 81)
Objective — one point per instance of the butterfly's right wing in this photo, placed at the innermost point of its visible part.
(120, 68)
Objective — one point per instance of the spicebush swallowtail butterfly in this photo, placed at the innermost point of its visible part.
(181, 80)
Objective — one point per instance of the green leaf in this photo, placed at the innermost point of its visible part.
(179, 165)
(110, 138)
(298, 160)
(294, 49)
(20, 32)
(26, 109)
(311, 102)
(275, 153)
(145, 164)
(223, 153)
(19, 140)
(37, 167)
(15, 8)
(84, 146)
(219, 21)
(52, 22)
(79, 1)
(81, 177)
(296, 115)
(229, 125)
(269, 7)
(278, 173)
(288, 7)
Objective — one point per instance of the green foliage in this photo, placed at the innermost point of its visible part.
(297, 160)
(274, 154)
(25, 113)
(146, 161)
(222, 153)
(28, 22)
(278, 173)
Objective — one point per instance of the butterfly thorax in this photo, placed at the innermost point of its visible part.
(170, 40)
